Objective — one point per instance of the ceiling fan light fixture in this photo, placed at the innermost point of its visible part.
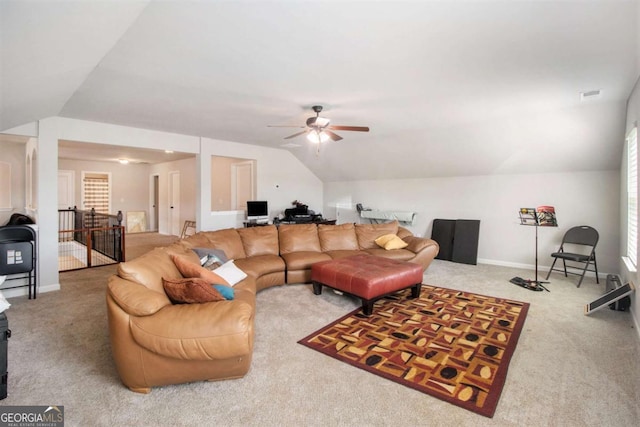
(317, 137)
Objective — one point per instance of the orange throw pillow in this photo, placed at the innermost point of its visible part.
(190, 290)
(191, 269)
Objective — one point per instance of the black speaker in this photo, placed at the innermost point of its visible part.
(458, 239)
(443, 231)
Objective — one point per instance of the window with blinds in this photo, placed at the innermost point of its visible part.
(632, 196)
(96, 190)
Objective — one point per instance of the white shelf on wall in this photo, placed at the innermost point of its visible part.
(405, 217)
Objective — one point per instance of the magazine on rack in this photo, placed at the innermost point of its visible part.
(543, 216)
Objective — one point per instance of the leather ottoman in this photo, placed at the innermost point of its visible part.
(367, 277)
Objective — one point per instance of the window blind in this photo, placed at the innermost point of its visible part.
(96, 193)
(632, 196)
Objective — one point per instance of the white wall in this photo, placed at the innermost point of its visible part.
(221, 198)
(129, 183)
(14, 154)
(281, 178)
(588, 198)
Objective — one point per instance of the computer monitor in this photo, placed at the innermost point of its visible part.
(257, 211)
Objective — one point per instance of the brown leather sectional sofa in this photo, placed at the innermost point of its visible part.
(155, 342)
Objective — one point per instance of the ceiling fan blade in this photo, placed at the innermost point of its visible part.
(333, 136)
(352, 128)
(297, 134)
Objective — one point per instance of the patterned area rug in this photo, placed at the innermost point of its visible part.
(450, 344)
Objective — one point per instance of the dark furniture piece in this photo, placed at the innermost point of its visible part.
(5, 333)
(581, 236)
(367, 277)
(458, 239)
(293, 221)
(248, 224)
(318, 220)
(18, 255)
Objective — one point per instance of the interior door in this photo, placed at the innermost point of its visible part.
(242, 184)
(174, 203)
(66, 200)
(66, 189)
(155, 200)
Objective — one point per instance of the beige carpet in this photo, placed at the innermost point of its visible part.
(568, 369)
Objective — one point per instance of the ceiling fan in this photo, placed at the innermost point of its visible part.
(319, 129)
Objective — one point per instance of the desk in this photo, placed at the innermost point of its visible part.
(309, 221)
(248, 224)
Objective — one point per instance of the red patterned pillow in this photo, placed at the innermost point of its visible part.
(190, 290)
(191, 269)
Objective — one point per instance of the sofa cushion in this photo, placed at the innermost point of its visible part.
(227, 240)
(397, 254)
(261, 265)
(191, 269)
(298, 238)
(417, 244)
(259, 240)
(150, 268)
(134, 298)
(337, 237)
(209, 331)
(368, 233)
(303, 260)
(344, 253)
(404, 232)
(190, 291)
(196, 240)
(390, 242)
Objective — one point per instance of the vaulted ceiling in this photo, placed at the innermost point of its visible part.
(447, 88)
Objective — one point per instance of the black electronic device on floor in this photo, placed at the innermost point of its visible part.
(613, 282)
(5, 333)
(609, 298)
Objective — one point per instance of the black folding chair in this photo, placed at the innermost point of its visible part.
(18, 255)
(586, 237)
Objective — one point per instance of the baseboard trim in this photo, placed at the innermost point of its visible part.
(24, 291)
(542, 269)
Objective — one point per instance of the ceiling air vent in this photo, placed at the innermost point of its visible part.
(590, 94)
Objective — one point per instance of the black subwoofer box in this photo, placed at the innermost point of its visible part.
(458, 239)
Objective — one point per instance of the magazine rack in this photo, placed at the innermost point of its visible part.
(543, 216)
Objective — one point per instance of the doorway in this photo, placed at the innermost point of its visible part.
(66, 189)
(174, 203)
(241, 185)
(233, 182)
(155, 203)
